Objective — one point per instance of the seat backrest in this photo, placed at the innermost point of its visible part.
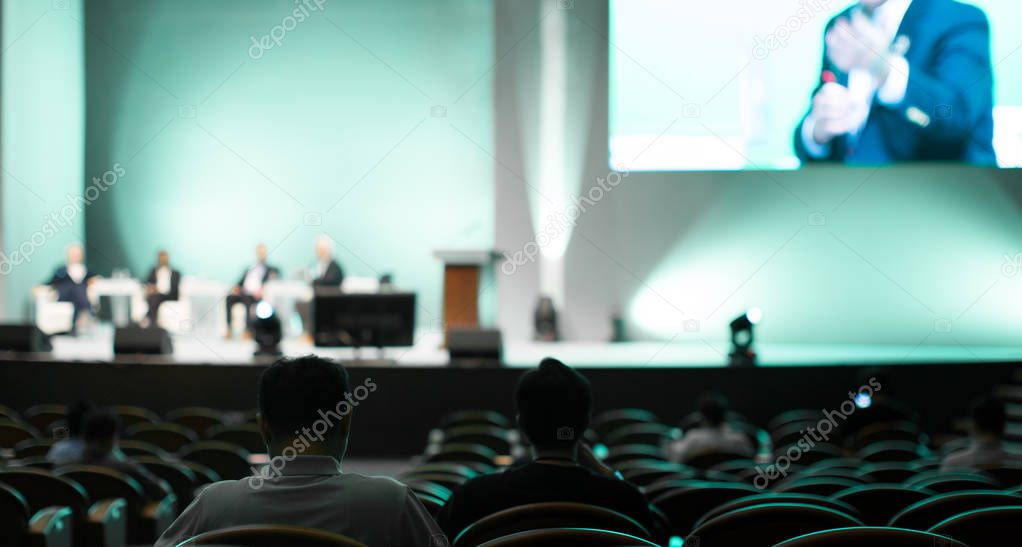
(246, 436)
(606, 422)
(197, 418)
(463, 453)
(568, 537)
(821, 486)
(928, 513)
(687, 501)
(767, 524)
(168, 436)
(474, 417)
(33, 447)
(131, 415)
(14, 515)
(887, 472)
(871, 536)
(180, 477)
(538, 516)
(228, 460)
(956, 482)
(649, 433)
(629, 452)
(493, 438)
(42, 489)
(131, 447)
(771, 497)
(1009, 475)
(272, 536)
(891, 451)
(878, 503)
(13, 432)
(104, 483)
(43, 416)
(992, 526)
(707, 460)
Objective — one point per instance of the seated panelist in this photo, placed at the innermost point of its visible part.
(161, 286)
(249, 289)
(71, 282)
(327, 271)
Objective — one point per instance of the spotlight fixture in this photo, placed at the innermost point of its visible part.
(266, 330)
(742, 354)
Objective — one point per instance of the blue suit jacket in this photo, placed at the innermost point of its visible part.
(947, 113)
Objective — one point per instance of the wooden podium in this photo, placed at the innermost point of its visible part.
(462, 270)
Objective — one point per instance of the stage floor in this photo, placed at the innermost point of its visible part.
(427, 351)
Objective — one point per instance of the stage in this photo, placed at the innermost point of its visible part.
(428, 351)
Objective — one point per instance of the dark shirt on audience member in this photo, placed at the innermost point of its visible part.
(539, 483)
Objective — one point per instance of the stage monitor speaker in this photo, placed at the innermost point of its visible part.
(474, 347)
(23, 338)
(137, 340)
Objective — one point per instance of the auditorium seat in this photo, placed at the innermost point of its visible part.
(488, 436)
(820, 486)
(9, 413)
(707, 460)
(93, 521)
(246, 436)
(646, 472)
(568, 537)
(423, 487)
(14, 515)
(132, 415)
(620, 454)
(837, 463)
(170, 437)
(539, 516)
(446, 480)
(886, 472)
(13, 432)
(878, 503)
(203, 474)
(955, 482)
(891, 451)
(131, 447)
(802, 416)
(456, 469)
(33, 447)
(820, 452)
(900, 430)
(229, 461)
(474, 417)
(988, 527)
(832, 473)
(765, 525)
(652, 434)
(737, 467)
(605, 422)
(1007, 475)
(271, 535)
(463, 453)
(871, 537)
(789, 434)
(146, 519)
(684, 502)
(196, 418)
(44, 416)
(772, 497)
(432, 504)
(927, 513)
(182, 480)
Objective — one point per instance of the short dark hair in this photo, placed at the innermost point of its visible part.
(554, 402)
(713, 408)
(75, 415)
(989, 416)
(295, 393)
(101, 426)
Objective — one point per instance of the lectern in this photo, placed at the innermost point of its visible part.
(462, 270)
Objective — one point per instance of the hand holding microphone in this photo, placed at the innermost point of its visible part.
(831, 112)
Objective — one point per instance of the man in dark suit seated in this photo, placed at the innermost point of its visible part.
(249, 289)
(71, 282)
(160, 286)
(327, 272)
(903, 80)
(554, 403)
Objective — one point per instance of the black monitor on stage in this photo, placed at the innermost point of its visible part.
(363, 320)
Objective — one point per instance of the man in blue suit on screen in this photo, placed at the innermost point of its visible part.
(903, 80)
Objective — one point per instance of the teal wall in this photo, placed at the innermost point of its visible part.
(43, 116)
(331, 131)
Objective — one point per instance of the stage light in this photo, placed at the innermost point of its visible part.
(863, 400)
(266, 330)
(742, 354)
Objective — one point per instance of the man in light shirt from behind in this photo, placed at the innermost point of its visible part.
(305, 407)
(712, 435)
(989, 420)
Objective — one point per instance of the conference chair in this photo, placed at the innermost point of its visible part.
(203, 474)
(420, 487)
(878, 503)
(818, 453)
(765, 525)
(651, 434)
(9, 413)
(628, 452)
(132, 415)
(448, 468)
(684, 502)
(898, 430)
(494, 438)
(32, 462)
(13, 432)
(1008, 475)
(246, 436)
(43, 417)
(820, 486)
(146, 519)
(537, 516)
(772, 497)
(182, 480)
(736, 468)
(168, 436)
(474, 417)
(606, 422)
(807, 416)
(94, 522)
(886, 472)
(891, 451)
(33, 447)
(955, 482)
(789, 434)
(930, 512)
(271, 535)
(14, 515)
(989, 527)
(707, 460)
(197, 418)
(229, 461)
(837, 463)
(871, 537)
(463, 453)
(568, 537)
(647, 472)
(433, 505)
(446, 480)
(132, 448)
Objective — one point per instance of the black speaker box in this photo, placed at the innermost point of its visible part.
(23, 338)
(475, 347)
(137, 340)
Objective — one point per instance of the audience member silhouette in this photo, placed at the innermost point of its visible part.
(987, 445)
(713, 434)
